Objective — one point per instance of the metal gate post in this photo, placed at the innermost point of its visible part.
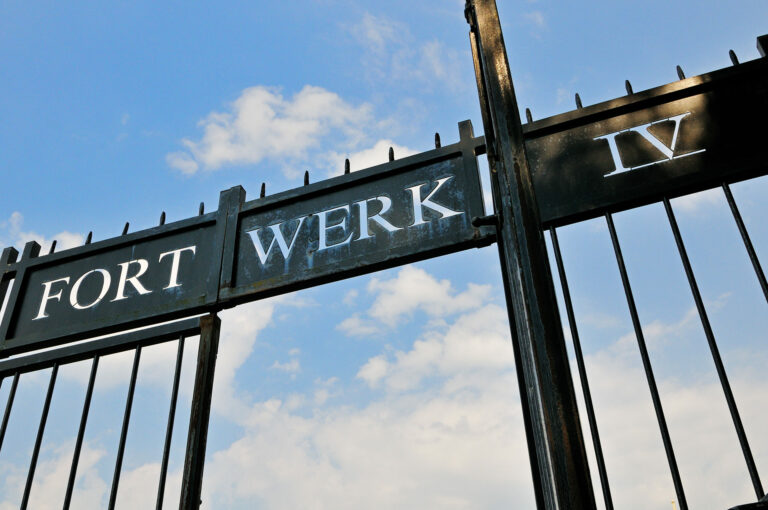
(194, 461)
(561, 472)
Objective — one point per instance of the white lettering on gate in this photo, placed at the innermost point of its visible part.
(133, 280)
(642, 130)
(344, 223)
(324, 228)
(106, 281)
(285, 248)
(47, 295)
(418, 203)
(173, 281)
(50, 294)
(386, 203)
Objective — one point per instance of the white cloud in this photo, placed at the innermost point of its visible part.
(291, 367)
(414, 289)
(696, 202)
(365, 158)
(12, 233)
(51, 477)
(356, 325)
(263, 125)
(476, 341)
(411, 291)
(453, 445)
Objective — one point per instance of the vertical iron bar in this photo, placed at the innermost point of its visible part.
(169, 428)
(724, 383)
(39, 438)
(521, 384)
(647, 366)
(81, 433)
(582, 373)
(194, 462)
(8, 406)
(124, 430)
(561, 456)
(747, 241)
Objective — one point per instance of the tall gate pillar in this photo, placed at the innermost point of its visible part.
(555, 441)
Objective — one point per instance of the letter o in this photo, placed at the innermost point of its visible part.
(76, 287)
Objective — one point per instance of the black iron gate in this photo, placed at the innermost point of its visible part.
(644, 148)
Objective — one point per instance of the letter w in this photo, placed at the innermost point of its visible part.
(285, 248)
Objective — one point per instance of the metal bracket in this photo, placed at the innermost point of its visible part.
(483, 221)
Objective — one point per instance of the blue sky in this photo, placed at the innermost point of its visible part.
(395, 389)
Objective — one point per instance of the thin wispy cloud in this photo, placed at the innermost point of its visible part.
(393, 54)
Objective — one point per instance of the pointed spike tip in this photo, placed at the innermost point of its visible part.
(734, 58)
(162, 218)
(125, 228)
(53, 247)
(437, 141)
(89, 238)
(306, 177)
(391, 154)
(578, 101)
(680, 73)
(346, 166)
(628, 86)
(528, 115)
(201, 209)
(263, 192)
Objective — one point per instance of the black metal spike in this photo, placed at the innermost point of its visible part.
(391, 154)
(628, 86)
(53, 247)
(346, 166)
(528, 115)
(162, 218)
(201, 209)
(578, 101)
(89, 237)
(306, 177)
(680, 73)
(263, 192)
(125, 228)
(437, 141)
(734, 58)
